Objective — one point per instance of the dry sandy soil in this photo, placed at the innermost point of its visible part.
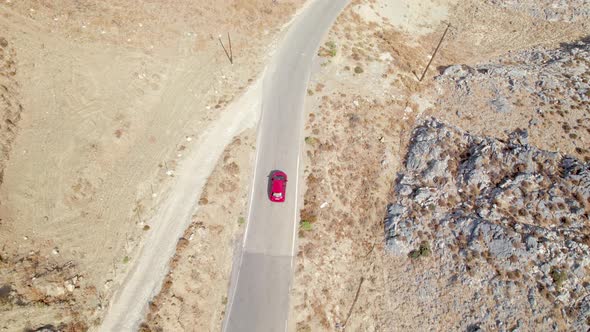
(195, 292)
(363, 102)
(100, 102)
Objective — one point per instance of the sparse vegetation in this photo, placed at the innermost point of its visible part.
(306, 225)
(331, 48)
(358, 70)
(328, 50)
(4, 294)
(422, 251)
(559, 277)
(126, 259)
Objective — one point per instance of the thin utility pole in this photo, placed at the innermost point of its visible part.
(230, 54)
(435, 51)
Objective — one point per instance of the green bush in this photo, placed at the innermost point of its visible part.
(422, 251)
(331, 48)
(559, 277)
(310, 140)
(306, 225)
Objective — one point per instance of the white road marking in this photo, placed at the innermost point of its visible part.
(296, 208)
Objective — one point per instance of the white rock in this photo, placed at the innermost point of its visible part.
(385, 56)
(69, 286)
(108, 283)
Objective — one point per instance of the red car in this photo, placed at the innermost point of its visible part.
(278, 186)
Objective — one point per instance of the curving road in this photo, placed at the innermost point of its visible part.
(259, 296)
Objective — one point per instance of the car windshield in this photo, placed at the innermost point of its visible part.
(277, 195)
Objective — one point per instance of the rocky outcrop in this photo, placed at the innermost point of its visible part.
(504, 213)
(550, 10)
(554, 77)
(10, 106)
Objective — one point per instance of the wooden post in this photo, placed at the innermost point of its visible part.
(228, 54)
(231, 53)
(435, 51)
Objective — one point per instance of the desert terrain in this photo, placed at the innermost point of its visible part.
(100, 103)
(457, 202)
(396, 233)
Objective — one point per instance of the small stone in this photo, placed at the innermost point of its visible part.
(501, 105)
(69, 286)
(457, 72)
(531, 243)
(405, 190)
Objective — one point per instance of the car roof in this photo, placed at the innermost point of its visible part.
(278, 185)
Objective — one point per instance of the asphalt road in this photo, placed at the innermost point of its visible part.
(259, 296)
